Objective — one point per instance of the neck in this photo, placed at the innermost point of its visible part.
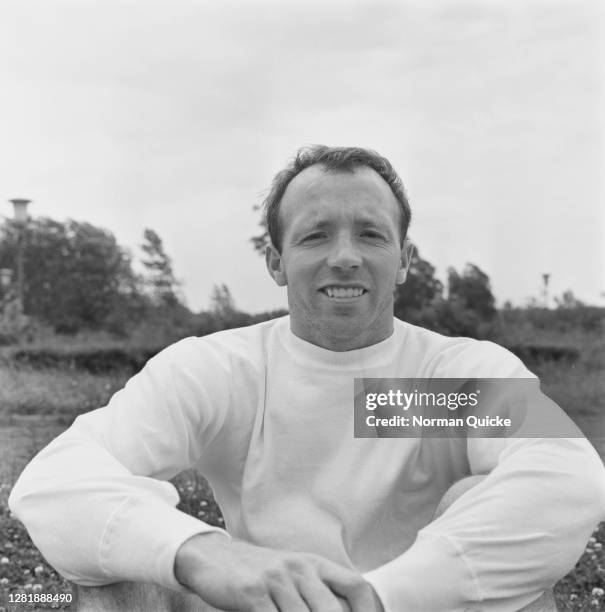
(346, 340)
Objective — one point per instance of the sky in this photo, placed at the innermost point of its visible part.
(176, 114)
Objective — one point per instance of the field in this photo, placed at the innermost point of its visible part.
(36, 405)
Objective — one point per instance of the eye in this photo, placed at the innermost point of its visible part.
(313, 236)
(371, 234)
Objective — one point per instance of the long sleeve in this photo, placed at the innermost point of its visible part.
(506, 540)
(94, 501)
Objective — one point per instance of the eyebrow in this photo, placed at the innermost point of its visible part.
(317, 223)
(370, 221)
(323, 223)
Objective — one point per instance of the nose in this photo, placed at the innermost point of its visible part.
(344, 253)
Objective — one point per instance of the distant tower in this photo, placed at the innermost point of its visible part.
(20, 220)
(545, 279)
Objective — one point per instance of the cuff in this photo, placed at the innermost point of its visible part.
(431, 576)
(141, 540)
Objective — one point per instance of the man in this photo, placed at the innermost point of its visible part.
(318, 520)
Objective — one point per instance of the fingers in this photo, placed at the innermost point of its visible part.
(350, 586)
(319, 597)
(287, 597)
(266, 605)
(238, 576)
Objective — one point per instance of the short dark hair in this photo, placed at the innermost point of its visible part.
(333, 159)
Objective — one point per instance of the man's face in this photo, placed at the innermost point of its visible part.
(341, 257)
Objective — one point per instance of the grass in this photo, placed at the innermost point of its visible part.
(54, 393)
(579, 388)
(35, 406)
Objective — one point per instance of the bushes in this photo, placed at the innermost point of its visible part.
(535, 353)
(95, 360)
(589, 319)
(208, 322)
(535, 333)
(129, 356)
(452, 318)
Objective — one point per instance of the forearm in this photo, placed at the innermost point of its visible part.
(507, 539)
(430, 577)
(94, 520)
(96, 501)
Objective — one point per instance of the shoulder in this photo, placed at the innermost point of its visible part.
(460, 357)
(224, 349)
(208, 370)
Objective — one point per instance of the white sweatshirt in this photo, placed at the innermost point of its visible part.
(268, 419)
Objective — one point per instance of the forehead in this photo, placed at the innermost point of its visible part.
(315, 195)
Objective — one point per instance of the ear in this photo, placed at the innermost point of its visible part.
(407, 252)
(275, 265)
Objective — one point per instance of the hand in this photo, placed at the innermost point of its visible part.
(377, 605)
(240, 577)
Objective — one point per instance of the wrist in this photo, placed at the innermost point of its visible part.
(194, 553)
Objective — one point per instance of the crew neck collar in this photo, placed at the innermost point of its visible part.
(376, 353)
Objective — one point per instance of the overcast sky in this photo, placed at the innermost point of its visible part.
(176, 114)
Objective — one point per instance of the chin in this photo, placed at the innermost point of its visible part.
(344, 326)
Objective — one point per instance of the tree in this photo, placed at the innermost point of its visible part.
(472, 289)
(420, 289)
(223, 313)
(160, 277)
(568, 300)
(222, 301)
(261, 241)
(75, 273)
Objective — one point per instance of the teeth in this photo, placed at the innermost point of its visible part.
(341, 292)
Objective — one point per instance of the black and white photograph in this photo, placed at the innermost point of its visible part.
(302, 306)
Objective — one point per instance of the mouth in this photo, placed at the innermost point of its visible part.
(340, 293)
